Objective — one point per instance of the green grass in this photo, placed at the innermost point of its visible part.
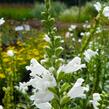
(17, 13)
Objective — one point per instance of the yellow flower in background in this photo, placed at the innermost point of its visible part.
(2, 75)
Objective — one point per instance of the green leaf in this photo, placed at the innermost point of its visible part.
(60, 76)
(64, 100)
(58, 51)
(48, 51)
(55, 104)
(57, 41)
(53, 90)
(65, 87)
(58, 62)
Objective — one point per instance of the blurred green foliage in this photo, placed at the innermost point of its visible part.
(76, 14)
(56, 9)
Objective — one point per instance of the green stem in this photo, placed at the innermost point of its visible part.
(92, 31)
(97, 76)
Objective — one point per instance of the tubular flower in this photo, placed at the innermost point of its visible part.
(96, 98)
(73, 66)
(89, 54)
(106, 12)
(97, 6)
(77, 91)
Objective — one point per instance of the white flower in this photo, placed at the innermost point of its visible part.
(44, 105)
(73, 66)
(96, 98)
(87, 33)
(107, 107)
(77, 91)
(2, 21)
(1, 107)
(73, 39)
(10, 53)
(41, 80)
(36, 68)
(98, 6)
(82, 34)
(79, 40)
(98, 30)
(26, 27)
(86, 26)
(89, 54)
(72, 27)
(106, 11)
(41, 97)
(67, 35)
(46, 38)
(19, 28)
(23, 87)
(40, 74)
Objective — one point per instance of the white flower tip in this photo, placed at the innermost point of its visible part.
(46, 38)
(2, 21)
(96, 96)
(27, 67)
(10, 53)
(1, 107)
(33, 60)
(80, 80)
